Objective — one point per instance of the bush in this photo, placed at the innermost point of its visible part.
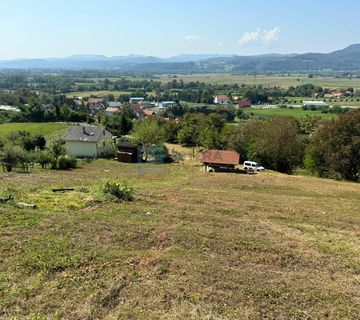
(120, 190)
(44, 158)
(9, 157)
(66, 163)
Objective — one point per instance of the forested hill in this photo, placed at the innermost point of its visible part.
(347, 59)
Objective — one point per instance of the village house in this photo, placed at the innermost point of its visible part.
(96, 104)
(111, 111)
(244, 104)
(220, 160)
(136, 99)
(115, 104)
(334, 95)
(221, 99)
(167, 104)
(138, 111)
(148, 113)
(88, 141)
(78, 102)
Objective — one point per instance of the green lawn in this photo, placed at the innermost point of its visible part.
(48, 129)
(297, 113)
(193, 245)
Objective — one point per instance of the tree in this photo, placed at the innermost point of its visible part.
(57, 149)
(9, 157)
(65, 112)
(171, 130)
(120, 124)
(335, 149)
(309, 123)
(190, 128)
(28, 143)
(210, 135)
(235, 139)
(148, 133)
(279, 145)
(44, 158)
(36, 112)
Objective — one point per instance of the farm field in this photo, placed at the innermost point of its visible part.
(267, 80)
(297, 113)
(193, 245)
(99, 93)
(48, 129)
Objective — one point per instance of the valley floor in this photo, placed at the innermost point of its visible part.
(193, 245)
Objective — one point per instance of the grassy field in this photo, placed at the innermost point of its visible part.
(48, 129)
(267, 80)
(297, 113)
(193, 245)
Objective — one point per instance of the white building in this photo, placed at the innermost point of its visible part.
(221, 99)
(88, 141)
(136, 99)
(316, 104)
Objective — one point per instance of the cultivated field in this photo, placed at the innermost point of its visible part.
(193, 245)
(267, 80)
(100, 93)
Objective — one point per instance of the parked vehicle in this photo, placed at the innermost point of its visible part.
(252, 166)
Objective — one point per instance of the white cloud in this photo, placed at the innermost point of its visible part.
(261, 36)
(250, 37)
(192, 37)
(270, 35)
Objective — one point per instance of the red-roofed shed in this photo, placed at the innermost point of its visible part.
(220, 159)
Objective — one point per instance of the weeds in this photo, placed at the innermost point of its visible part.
(120, 190)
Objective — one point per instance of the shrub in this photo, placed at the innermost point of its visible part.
(44, 158)
(66, 163)
(120, 190)
(57, 149)
(9, 158)
(40, 141)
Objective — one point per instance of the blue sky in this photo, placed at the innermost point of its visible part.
(46, 28)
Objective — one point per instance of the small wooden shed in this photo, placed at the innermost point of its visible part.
(220, 160)
(127, 152)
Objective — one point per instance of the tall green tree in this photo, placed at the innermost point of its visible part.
(279, 145)
(335, 149)
(149, 134)
(190, 129)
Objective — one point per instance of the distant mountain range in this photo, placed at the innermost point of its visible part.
(347, 59)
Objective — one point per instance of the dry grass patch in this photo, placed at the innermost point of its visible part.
(192, 245)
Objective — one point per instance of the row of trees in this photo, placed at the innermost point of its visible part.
(22, 150)
(323, 148)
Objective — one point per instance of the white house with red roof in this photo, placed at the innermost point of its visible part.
(221, 99)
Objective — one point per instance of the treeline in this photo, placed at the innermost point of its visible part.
(42, 108)
(323, 148)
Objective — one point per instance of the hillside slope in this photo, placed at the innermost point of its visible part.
(193, 245)
(347, 59)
